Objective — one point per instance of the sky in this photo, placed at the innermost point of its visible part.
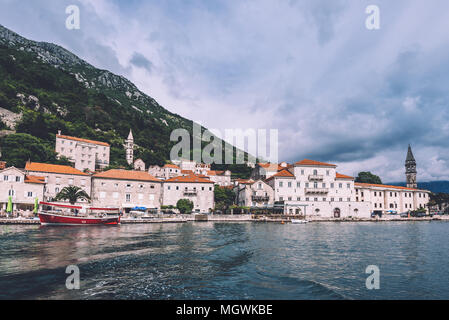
(336, 91)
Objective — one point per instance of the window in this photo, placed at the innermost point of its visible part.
(11, 193)
(70, 181)
(177, 187)
(375, 193)
(340, 185)
(315, 199)
(128, 197)
(168, 187)
(324, 185)
(281, 198)
(289, 184)
(140, 196)
(315, 172)
(280, 184)
(332, 185)
(151, 197)
(259, 186)
(302, 172)
(348, 185)
(327, 172)
(210, 188)
(349, 199)
(5, 178)
(341, 199)
(380, 205)
(298, 199)
(324, 199)
(57, 190)
(17, 178)
(375, 205)
(315, 185)
(289, 198)
(115, 195)
(307, 184)
(298, 184)
(307, 199)
(29, 194)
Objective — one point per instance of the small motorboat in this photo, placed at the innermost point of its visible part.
(61, 214)
(299, 221)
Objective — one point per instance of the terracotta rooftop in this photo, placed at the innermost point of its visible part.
(342, 176)
(186, 171)
(216, 173)
(308, 162)
(122, 174)
(34, 179)
(83, 140)
(282, 174)
(171, 166)
(244, 181)
(189, 179)
(52, 168)
(359, 184)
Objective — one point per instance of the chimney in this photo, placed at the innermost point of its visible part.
(59, 132)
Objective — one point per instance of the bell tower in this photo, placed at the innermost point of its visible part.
(129, 147)
(410, 169)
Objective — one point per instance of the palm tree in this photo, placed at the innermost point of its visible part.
(72, 193)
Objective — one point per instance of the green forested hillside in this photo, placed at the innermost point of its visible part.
(54, 90)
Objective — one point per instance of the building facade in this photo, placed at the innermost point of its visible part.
(198, 190)
(83, 153)
(57, 177)
(22, 188)
(126, 189)
(254, 194)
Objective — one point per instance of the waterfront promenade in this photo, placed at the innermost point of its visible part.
(237, 218)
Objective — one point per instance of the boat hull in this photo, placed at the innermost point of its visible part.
(54, 219)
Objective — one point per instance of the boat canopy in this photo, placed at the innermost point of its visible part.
(60, 205)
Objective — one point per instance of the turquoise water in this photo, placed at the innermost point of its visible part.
(226, 261)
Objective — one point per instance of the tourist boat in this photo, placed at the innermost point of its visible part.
(61, 214)
(299, 221)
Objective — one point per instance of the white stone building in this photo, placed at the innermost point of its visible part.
(126, 189)
(387, 198)
(254, 194)
(221, 178)
(139, 165)
(83, 153)
(22, 188)
(57, 177)
(198, 190)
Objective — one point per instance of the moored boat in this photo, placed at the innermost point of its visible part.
(61, 214)
(299, 221)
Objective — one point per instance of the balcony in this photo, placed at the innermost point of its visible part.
(190, 192)
(316, 190)
(316, 177)
(260, 198)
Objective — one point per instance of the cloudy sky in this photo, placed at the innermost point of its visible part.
(336, 91)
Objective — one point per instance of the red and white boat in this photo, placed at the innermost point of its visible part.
(61, 214)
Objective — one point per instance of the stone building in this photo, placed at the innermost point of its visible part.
(22, 188)
(254, 194)
(410, 169)
(199, 190)
(139, 165)
(126, 189)
(57, 177)
(83, 153)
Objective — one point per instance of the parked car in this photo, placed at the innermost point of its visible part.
(417, 214)
(376, 213)
(404, 214)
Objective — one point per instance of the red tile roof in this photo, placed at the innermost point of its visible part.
(244, 181)
(308, 162)
(171, 166)
(342, 176)
(189, 179)
(282, 174)
(366, 185)
(83, 140)
(186, 171)
(121, 174)
(215, 173)
(52, 168)
(34, 179)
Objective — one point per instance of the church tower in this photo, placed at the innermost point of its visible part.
(410, 169)
(129, 147)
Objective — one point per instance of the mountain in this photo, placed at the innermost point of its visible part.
(45, 88)
(434, 186)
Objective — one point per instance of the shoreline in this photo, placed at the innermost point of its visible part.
(230, 218)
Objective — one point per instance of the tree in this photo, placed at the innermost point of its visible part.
(368, 177)
(184, 206)
(73, 194)
(224, 197)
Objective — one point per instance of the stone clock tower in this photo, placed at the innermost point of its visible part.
(410, 169)
(129, 147)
